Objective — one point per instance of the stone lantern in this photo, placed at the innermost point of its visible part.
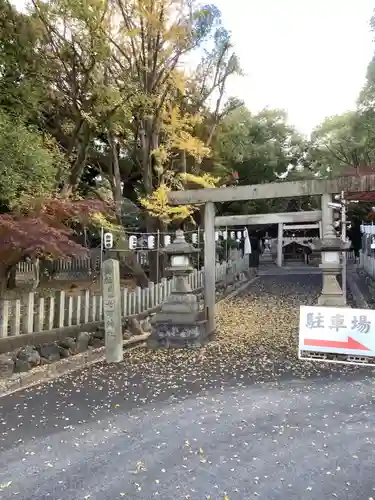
(331, 246)
(179, 323)
(267, 252)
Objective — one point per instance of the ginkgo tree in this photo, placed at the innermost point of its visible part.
(152, 39)
(112, 89)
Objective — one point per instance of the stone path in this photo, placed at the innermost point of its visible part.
(240, 419)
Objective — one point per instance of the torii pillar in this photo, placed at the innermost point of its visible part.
(209, 265)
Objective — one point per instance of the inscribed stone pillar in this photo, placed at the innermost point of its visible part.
(112, 311)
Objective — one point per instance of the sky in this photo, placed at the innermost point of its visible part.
(308, 57)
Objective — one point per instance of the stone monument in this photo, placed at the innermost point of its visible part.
(179, 323)
(112, 311)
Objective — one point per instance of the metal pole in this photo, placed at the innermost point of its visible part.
(343, 237)
(226, 246)
(199, 248)
(157, 255)
(280, 234)
(101, 257)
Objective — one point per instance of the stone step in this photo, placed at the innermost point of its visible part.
(277, 271)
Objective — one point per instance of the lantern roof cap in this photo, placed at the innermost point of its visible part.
(180, 246)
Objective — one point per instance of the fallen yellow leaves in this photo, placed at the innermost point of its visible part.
(3, 486)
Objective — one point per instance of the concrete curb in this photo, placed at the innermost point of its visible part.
(358, 296)
(240, 289)
(45, 373)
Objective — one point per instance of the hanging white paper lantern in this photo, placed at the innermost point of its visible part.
(132, 242)
(108, 240)
(151, 242)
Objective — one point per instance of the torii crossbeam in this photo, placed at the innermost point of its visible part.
(280, 189)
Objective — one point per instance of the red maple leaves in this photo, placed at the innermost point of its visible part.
(44, 227)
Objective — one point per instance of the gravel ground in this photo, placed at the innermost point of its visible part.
(241, 418)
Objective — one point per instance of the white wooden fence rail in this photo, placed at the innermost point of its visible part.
(367, 256)
(70, 269)
(34, 313)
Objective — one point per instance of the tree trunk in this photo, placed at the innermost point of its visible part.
(47, 270)
(129, 264)
(157, 259)
(7, 278)
(11, 278)
(3, 281)
(115, 177)
(79, 164)
(127, 258)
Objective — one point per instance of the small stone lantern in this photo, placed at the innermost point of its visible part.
(331, 246)
(267, 252)
(179, 323)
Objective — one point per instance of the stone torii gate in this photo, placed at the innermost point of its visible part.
(280, 219)
(209, 196)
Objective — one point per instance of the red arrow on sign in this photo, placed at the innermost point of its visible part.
(349, 344)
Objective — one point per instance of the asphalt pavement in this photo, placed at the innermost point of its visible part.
(160, 426)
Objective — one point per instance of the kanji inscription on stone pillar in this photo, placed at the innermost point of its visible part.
(112, 311)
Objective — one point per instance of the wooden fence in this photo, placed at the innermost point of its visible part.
(367, 254)
(65, 269)
(86, 268)
(35, 313)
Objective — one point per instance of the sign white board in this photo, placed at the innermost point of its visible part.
(337, 330)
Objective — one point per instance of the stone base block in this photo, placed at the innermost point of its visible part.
(332, 300)
(266, 257)
(166, 336)
(332, 295)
